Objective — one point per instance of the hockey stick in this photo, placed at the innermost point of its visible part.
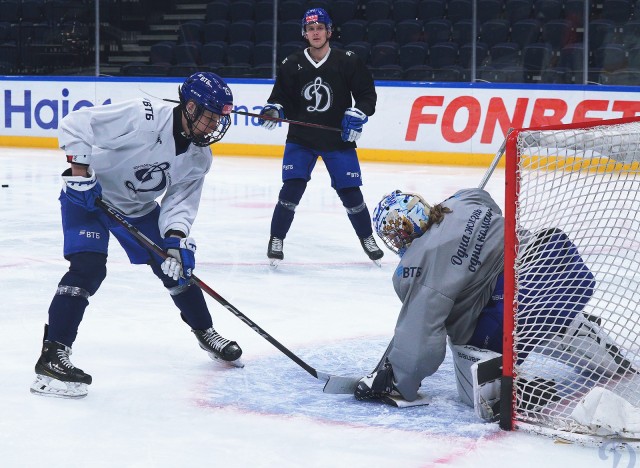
(295, 122)
(334, 383)
(495, 161)
(278, 119)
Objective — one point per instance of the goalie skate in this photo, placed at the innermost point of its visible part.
(218, 348)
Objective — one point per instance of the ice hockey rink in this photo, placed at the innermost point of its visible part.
(157, 400)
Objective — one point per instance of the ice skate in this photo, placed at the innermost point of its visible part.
(219, 348)
(55, 374)
(372, 250)
(585, 339)
(274, 251)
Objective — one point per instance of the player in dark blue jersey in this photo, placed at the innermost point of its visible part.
(333, 88)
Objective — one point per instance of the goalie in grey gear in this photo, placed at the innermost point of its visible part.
(129, 154)
(450, 282)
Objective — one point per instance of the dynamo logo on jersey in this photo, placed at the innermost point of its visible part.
(318, 94)
(156, 174)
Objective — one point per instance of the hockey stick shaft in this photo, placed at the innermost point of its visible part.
(278, 119)
(149, 244)
(495, 161)
(295, 122)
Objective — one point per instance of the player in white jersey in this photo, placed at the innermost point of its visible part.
(129, 154)
(450, 282)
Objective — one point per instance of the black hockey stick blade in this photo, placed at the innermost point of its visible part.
(149, 244)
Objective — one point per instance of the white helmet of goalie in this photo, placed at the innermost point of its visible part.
(399, 218)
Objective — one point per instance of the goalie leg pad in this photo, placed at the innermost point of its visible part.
(478, 378)
(486, 376)
(583, 339)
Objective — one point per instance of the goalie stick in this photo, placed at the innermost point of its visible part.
(334, 383)
(495, 161)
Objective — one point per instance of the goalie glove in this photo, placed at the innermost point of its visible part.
(181, 261)
(82, 191)
(271, 110)
(352, 123)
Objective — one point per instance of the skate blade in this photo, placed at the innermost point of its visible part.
(378, 263)
(48, 386)
(236, 363)
(273, 262)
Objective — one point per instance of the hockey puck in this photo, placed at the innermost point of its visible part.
(5, 185)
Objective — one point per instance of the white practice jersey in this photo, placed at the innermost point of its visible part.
(131, 147)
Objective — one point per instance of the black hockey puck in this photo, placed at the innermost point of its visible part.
(5, 185)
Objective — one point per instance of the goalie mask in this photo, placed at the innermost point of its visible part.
(206, 103)
(400, 218)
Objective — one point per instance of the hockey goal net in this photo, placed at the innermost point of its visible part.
(573, 185)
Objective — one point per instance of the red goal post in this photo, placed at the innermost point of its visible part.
(583, 179)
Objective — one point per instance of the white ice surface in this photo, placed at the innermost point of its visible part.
(158, 401)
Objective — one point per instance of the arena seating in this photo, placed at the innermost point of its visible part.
(526, 40)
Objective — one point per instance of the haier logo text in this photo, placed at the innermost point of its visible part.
(46, 113)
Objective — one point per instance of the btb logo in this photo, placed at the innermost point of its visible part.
(152, 175)
(319, 94)
(408, 272)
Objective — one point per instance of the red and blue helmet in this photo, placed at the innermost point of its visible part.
(208, 92)
(314, 16)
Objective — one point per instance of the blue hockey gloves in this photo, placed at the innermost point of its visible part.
(352, 123)
(181, 261)
(271, 110)
(83, 191)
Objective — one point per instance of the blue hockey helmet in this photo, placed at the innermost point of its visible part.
(400, 218)
(314, 16)
(210, 93)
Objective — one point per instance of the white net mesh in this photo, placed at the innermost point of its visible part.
(578, 224)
